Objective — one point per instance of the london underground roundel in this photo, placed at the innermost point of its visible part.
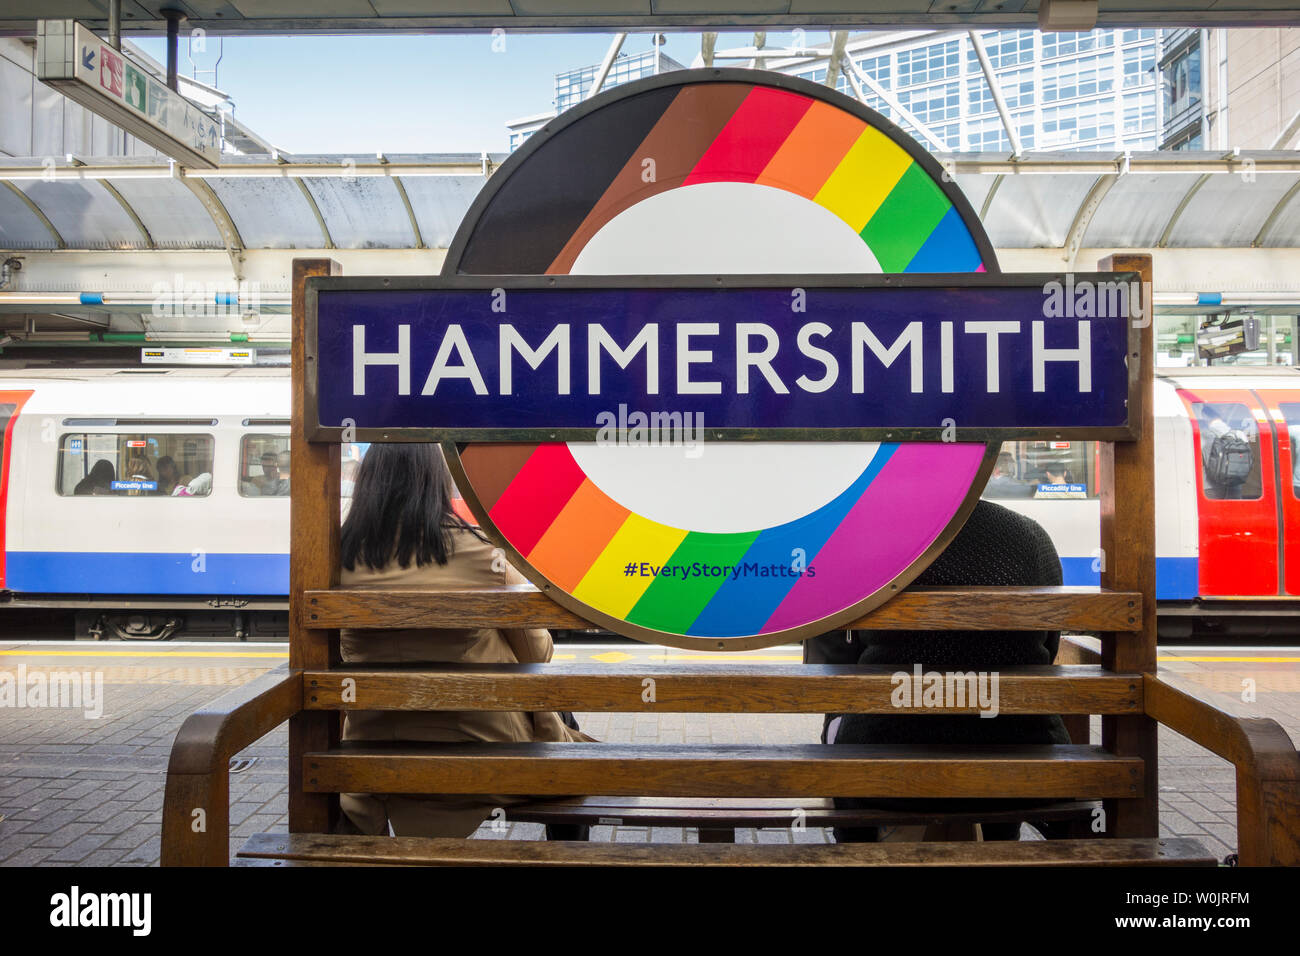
(692, 542)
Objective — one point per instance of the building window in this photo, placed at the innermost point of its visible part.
(926, 64)
(1182, 86)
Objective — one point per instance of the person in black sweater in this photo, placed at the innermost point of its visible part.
(996, 546)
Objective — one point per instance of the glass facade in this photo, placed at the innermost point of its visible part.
(571, 88)
(1068, 91)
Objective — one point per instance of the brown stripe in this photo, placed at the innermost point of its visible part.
(686, 130)
(491, 467)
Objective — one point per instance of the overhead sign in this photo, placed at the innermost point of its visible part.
(939, 357)
(198, 356)
(86, 69)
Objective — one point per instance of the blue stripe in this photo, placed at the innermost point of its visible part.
(949, 248)
(92, 572)
(744, 603)
(1177, 579)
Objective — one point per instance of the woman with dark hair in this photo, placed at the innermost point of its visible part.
(401, 532)
(99, 481)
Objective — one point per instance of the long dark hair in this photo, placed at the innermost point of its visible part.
(401, 508)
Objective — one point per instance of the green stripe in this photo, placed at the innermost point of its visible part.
(673, 603)
(905, 219)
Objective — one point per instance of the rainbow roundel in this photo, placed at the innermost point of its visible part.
(736, 544)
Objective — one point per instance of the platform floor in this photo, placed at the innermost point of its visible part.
(77, 790)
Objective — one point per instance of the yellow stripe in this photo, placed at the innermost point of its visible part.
(282, 654)
(869, 171)
(605, 586)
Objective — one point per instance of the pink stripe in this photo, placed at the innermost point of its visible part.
(981, 268)
(878, 538)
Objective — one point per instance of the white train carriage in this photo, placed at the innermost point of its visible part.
(145, 490)
(146, 498)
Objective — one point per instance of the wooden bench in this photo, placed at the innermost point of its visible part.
(1119, 683)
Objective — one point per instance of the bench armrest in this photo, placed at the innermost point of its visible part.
(196, 803)
(1268, 769)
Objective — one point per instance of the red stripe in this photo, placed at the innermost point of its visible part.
(18, 399)
(537, 495)
(749, 141)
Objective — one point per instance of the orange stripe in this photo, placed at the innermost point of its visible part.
(576, 538)
(812, 151)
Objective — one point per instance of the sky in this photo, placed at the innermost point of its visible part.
(398, 94)
(406, 94)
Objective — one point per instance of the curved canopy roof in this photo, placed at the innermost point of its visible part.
(1041, 200)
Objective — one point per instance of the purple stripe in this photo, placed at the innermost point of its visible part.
(878, 538)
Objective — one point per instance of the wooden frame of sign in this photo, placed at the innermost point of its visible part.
(1121, 684)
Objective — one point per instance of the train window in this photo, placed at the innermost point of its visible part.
(264, 466)
(131, 464)
(1229, 451)
(1044, 469)
(1291, 412)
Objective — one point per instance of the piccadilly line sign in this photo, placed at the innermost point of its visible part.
(952, 357)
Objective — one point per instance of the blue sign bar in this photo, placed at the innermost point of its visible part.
(941, 357)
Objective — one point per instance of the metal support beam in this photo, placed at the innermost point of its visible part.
(854, 72)
(1083, 216)
(707, 43)
(174, 18)
(1288, 133)
(1178, 210)
(836, 61)
(1273, 215)
(36, 211)
(615, 45)
(1013, 136)
(126, 206)
(115, 24)
(759, 62)
(406, 203)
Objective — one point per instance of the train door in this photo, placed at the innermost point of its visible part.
(1283, 407)
(1236, 470)
(10, 404)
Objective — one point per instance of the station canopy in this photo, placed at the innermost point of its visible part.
(1066, 201)
(376, 16)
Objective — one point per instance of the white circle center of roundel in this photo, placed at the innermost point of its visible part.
(718, 228)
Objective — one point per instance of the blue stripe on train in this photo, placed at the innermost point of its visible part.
(92, 572)
(62, 572)
(1176, 578)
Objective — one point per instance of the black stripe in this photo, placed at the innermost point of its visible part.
(553, 186)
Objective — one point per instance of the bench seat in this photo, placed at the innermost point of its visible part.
(323, 849)
(756, 813)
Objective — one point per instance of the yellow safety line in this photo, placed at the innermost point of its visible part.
(143, 654)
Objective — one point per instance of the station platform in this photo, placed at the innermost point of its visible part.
(84, 790)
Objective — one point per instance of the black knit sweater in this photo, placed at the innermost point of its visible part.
(995, 547)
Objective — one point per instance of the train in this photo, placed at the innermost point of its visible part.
(150, 503)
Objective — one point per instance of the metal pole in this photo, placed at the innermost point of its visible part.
(174, 18)
(605, 64)
(115, 24)
(978, 43)
(852, 71)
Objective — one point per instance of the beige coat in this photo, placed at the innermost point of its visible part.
(472, 564)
